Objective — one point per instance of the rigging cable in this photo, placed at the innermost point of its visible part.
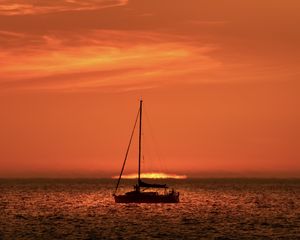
(157, 152)
(127, 151)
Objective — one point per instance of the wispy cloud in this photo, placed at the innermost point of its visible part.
(100, 58)
(21, 7)
(133, 46)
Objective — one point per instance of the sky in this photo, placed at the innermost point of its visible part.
(219, 80)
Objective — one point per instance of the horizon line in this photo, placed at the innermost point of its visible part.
(157, 179)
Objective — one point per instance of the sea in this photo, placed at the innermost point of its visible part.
(208, 209)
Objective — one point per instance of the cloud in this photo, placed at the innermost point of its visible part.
(86, 45)
(22, 7)
(95, 59)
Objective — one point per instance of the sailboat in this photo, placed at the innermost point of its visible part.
(141, 193)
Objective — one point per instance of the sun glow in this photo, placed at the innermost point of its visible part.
(153, 175)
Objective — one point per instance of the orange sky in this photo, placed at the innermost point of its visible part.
(219, 79)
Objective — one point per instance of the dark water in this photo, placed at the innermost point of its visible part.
(209, 209)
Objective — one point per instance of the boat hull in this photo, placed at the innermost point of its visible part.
(145, 198)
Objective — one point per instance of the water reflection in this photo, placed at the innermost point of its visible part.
(84, 209)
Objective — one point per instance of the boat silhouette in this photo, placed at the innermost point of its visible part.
(141, 193)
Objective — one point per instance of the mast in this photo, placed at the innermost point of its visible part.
(140, 141)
